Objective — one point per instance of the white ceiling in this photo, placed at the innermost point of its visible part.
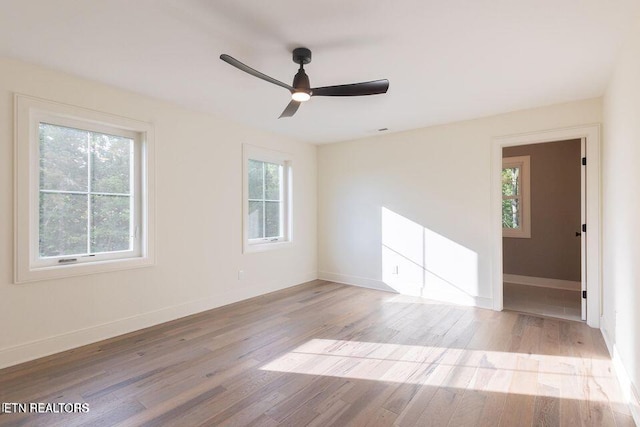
(445, 60)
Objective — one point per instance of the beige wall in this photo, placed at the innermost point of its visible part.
(621, 211)
(553, 251)
(198, 217)
(411, 211)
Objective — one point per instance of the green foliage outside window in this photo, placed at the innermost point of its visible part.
(85, 191)
(265, 199)
(511, 198)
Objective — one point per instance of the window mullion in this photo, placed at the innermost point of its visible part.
(82, 193)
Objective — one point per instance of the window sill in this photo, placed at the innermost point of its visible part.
(518, 235)
(25, 274)
(264, 247)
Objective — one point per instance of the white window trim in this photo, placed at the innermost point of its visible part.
(524, 163)
(251, 152)
(28, 112)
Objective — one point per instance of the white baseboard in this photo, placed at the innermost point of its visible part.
(44, 347)
(634, 404)
(542, 282)
(629, 391)
(363, 282)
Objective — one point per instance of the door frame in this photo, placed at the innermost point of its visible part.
(591, 135)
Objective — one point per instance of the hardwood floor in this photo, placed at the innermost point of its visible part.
(544, 301)
(327, 354)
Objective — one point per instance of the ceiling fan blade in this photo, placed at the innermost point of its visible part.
(239, 65)
(355, 89)
(291, 109)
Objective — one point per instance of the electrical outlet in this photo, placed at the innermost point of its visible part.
(240, 274)
(396, 270)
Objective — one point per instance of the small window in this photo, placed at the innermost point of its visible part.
(83, 195)
(516, 205)
(267, 219)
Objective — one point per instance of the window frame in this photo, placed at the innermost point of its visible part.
(524, 163)
(29, 266)
(264, 200)
(36, 259)
(265, 155)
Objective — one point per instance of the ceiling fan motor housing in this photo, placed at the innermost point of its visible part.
(301, 81)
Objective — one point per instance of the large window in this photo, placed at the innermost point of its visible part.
(516, 198)
(83, 191)
(267, 198)
(87, 203)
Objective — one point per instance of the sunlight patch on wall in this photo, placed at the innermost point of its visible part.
(418, 261)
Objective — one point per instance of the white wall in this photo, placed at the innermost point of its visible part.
(198, 215)
(621, 214)
(419, 201)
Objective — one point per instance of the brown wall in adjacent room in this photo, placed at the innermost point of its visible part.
(553, 251)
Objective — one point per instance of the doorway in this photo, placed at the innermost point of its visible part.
(591, 280)
(543, 198)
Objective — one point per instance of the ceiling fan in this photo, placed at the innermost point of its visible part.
(302, 91)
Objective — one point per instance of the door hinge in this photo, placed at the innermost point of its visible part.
(584, 228)
(584, 161)
(584, 294)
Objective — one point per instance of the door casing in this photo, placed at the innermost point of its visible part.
(592, 238)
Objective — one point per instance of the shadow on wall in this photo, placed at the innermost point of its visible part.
(420, 262)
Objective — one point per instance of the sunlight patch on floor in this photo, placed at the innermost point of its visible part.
(483, 370)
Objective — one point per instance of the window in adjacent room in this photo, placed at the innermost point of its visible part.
(516, 221)
(267, 218)
(84, 205)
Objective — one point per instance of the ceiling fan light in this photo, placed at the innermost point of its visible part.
(300, 96)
